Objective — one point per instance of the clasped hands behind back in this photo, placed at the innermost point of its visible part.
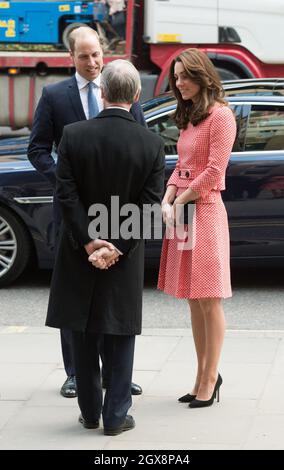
(102, 254)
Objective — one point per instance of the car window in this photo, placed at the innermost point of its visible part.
(255, 91)
(265, 129)
(166, 128)
(239, 141)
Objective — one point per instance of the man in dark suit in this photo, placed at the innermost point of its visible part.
(110, 156)
(71, 100)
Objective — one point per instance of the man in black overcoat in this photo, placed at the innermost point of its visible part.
(111, 156)
(63, 103)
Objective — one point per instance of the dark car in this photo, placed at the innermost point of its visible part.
(254, 195)
(255, 86)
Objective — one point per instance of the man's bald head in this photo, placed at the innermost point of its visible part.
(82, 33)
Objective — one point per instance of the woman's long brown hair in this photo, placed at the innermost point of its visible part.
(200, 70)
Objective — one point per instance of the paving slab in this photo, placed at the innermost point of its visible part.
(250, 414)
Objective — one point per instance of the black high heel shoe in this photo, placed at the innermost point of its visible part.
(187, 398)
(216, 394)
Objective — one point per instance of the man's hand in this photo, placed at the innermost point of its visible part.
(104, 257)
(96, 244)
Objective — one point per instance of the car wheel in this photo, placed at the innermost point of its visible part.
(15, 247)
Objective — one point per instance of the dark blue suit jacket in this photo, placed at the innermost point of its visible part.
(59, 105)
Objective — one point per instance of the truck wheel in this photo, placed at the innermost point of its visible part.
(15, 247)
(67, 30)
(227, 74)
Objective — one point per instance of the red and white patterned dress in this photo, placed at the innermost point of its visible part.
(204, 151)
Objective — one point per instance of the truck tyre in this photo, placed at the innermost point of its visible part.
(15, 247)
(67, 30)
(227, 74)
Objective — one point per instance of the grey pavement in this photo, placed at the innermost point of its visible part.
(250, 414)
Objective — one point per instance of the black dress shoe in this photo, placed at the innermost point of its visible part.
(88, 424)
(135, 389)
(187, 398)
(128, 424)
(69, 388)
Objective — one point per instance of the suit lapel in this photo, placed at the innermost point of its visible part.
(75, 99)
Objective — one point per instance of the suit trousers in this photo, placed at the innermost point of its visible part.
(119, 354)
(67, 351)
(65, 334)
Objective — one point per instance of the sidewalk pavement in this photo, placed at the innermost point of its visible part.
(250, 415)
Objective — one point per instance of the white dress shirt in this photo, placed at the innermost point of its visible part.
(83, 90)
(117, 107)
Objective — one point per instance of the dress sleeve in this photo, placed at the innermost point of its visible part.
(222, 136)
(173, 179)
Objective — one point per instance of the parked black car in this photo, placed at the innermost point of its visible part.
(254, 194)
(255, 86)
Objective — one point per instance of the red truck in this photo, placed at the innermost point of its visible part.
(244, 39)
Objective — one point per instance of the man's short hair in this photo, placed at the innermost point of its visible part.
(120, 82)
(81, 31)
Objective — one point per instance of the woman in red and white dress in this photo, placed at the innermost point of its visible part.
(201, 274)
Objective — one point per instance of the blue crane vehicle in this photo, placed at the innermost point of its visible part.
(46, 22)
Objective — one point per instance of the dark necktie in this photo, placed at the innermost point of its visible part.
(92, 101)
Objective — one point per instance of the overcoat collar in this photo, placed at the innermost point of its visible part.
(117, 112)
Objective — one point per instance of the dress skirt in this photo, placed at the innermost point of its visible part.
(204, 270)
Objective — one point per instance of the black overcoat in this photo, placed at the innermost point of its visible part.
(111, 155)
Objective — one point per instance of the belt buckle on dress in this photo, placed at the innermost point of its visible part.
(184, 174)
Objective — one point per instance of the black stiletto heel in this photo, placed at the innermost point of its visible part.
(187, 398)
(216, 394)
